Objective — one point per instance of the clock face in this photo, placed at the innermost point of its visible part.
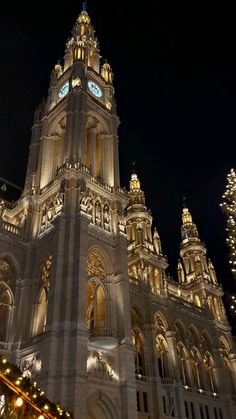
(94, 88)
(64, 90)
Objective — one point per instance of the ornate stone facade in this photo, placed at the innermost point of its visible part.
(86, 305)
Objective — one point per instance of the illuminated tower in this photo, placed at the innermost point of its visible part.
(195, 273)
(78, 122)
(86, 307)
(71, 319)
(146, 262)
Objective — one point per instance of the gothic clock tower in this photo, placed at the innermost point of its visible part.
(71, 310)
(86, 307)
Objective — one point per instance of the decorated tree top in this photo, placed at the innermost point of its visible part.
(229, 208)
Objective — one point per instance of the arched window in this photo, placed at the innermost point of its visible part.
(183, 364)
(42, 299)
(225, 351)
(5, 311)
(196, 368)
(160, 325)
(138, 342)
(162, 357)
(41, 317)
(230, 375)
(7, 291)
(209, 373)
(96, 303)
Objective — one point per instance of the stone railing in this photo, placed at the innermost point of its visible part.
(167, 380)
(101, 332)
(11, 228)
(144, 378)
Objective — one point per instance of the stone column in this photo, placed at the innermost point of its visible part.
(175, 373)
(101, 140)
(80, 341)
(92, 149)
(172, 355)
(126, 348)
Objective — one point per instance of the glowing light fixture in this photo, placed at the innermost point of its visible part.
(19, 402)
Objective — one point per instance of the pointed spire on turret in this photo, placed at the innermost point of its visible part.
(134, 183)
(193, 254)
(106, 72)
(136, 195)
(83, 46)
(146, 261)
(138, 215)
(188, 229)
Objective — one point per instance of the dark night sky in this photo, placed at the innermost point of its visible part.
(174, 64)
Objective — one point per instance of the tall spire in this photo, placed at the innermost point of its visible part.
(85, 6)
(188, 229)
(134, 183)
(194, 265)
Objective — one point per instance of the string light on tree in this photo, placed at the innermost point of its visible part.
(229, 208)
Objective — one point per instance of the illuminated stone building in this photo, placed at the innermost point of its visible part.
(86, 306)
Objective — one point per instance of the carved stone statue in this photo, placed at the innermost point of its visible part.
(98, 212)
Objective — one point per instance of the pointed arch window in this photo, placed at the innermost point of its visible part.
(7, 290)
(162, 356)
(196, 368)
(209, 373)
(5, 311)
(41, 318)
(230, 376)
(138, 342)
(96, 305)
(183, 365)
(42, 298)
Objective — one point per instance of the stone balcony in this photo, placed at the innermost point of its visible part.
(102, 338)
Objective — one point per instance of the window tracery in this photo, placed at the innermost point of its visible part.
(95, 266)
(228, 367)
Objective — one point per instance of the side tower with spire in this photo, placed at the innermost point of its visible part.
(195, 273)
(86, 307)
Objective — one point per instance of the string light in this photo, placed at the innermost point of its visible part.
(29, 395)
(229, 208)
